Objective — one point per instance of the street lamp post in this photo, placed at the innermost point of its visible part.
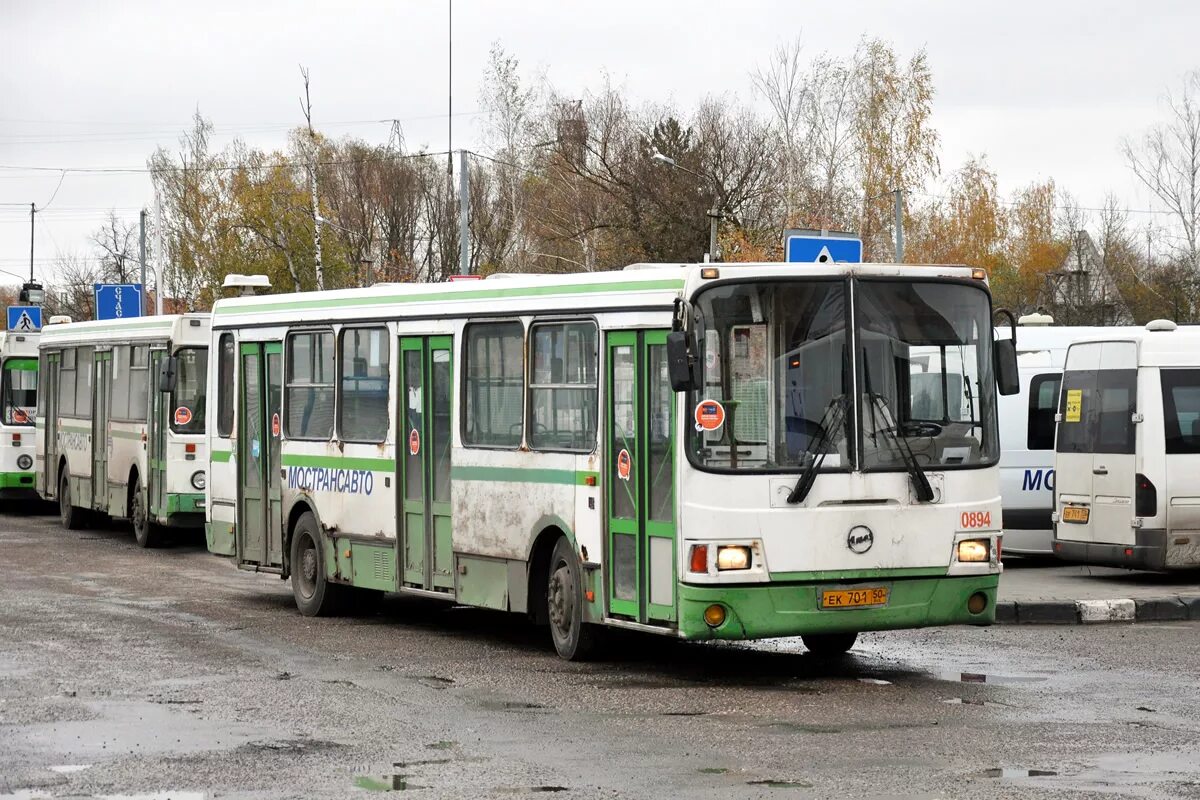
(714, 214)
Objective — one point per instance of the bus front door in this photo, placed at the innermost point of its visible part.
(49, 389)
(101, 444)
(640, 478)
(259, 517)
(426, 551)
(156, 457)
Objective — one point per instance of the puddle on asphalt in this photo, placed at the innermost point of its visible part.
(774, 783)
(1018, 772)
(981, 677)
(66, 769)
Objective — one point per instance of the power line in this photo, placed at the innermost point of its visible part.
(225, 168)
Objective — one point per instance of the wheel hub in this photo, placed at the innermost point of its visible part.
(559, 601)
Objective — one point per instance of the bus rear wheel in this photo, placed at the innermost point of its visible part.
(70, 515)
(315, 596)
(829, 644)
(145, 532)
(574, 639)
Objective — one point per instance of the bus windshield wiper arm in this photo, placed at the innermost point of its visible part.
(814, 453)
(920, 481)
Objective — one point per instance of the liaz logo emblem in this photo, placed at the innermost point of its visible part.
(860, 539)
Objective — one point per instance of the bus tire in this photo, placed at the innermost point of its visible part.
(574, 639)
(72, 516)
(315, 596)
(145, 532)
(829, 644)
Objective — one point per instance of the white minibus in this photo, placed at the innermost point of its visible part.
(1128, 450)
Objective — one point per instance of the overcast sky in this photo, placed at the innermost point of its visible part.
(1044, 89)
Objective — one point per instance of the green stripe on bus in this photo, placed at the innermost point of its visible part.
(135, 435)
(478, 294)
(338, 462)
(75, 428)
(221, 456)
(49, 334)
(566, 477)
(22, 364)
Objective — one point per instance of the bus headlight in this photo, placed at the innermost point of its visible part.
(24, 461)
(198, 481)
(974, 550)
(733, 557)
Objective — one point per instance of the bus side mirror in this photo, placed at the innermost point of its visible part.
(1008, 379)
(167, 369)
(680, 365)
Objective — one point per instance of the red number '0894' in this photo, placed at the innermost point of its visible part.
(976, 519)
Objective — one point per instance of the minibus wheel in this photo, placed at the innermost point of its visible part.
(71, 516)
(315, 596)
(143, 529)
(573, 638)
(829, 644)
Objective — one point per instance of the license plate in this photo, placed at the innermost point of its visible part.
(854, 598)
(1075, 514)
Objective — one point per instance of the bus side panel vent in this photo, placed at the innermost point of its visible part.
(381, 566)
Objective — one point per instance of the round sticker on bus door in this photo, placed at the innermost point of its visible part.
(183, 415)
(20, 417)
(275, 425)
(414, 442)
(624, 465)
(710, 415)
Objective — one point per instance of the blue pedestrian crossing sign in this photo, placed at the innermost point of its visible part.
(118, 300)
(25, 319)
(814, 248)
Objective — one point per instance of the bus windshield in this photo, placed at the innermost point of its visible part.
(779, 368)
(19, 390)
(188, 399)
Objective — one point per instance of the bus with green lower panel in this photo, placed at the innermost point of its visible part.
(18, 394)
(698, 451)
(120, 423)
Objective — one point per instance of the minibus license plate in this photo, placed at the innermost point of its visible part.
(1075, 514)
(854, 598)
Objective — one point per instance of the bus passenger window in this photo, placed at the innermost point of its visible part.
(84, 357)
(494, 384)
(118, 399)
(562, 386)
(139, 383)
(364, 385)
(20, 390)
(67, 377)
(309, 395)
(226, 362)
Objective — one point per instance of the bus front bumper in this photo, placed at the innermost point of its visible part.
(184, 510)
(16, 484)
(791, 609)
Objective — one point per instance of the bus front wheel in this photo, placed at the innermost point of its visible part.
(829, 644)
(144, 531)
(315, 596)
(573, 638)
(71, 515)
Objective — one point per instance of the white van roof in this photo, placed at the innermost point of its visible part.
(1158, 345)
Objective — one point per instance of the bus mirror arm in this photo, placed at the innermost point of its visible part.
(1008, 378)
(681, 362)
(166, 374)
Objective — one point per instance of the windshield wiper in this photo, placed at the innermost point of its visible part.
(920, 482)
(814, 452)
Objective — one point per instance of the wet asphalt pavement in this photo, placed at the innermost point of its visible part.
(169, 673)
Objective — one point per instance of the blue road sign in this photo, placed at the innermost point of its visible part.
(27, 319)
(821, 249)
(118, 300)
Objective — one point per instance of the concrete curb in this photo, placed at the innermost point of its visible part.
(1074, 612)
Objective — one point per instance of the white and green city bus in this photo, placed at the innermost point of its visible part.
(120, 421)
(18, 389)
(702, 451)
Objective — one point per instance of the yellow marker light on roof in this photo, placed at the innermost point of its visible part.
(979, 274)
(710, 272)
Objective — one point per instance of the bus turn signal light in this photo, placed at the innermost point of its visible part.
(973, 550)
(699, 560)
(714, 615)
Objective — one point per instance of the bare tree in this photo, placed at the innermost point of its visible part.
(1167, 161)
(306, 107)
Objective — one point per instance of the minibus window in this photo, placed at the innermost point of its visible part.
(1181, 410)
(1043, 402)
(1097, 408)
